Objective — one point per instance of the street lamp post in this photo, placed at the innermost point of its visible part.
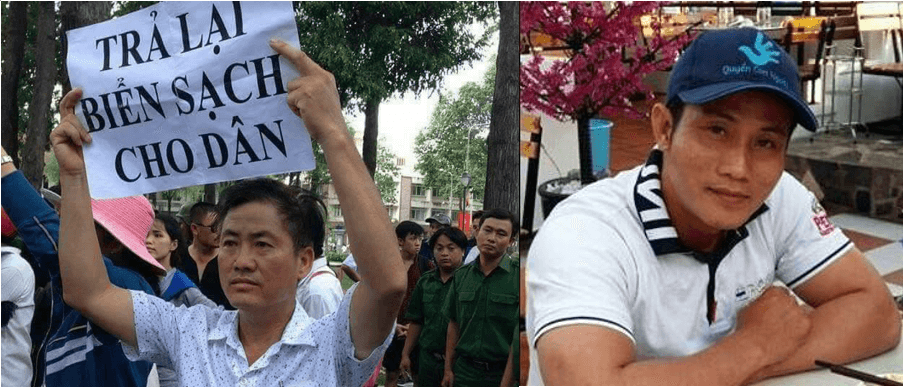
(465, 180)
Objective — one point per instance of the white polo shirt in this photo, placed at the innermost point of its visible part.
(609, 256)
(18, 288)
(320, 291)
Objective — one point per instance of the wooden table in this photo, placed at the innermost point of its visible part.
(888, 362)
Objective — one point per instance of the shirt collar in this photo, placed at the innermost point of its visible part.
(295, 332)
(653, 215)
(504, 264)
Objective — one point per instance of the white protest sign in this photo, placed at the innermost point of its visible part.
(187, 93)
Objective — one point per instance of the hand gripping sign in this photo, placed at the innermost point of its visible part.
(187, 93)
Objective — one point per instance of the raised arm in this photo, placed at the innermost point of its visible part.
(768, 330)
(86, 285)
(854, 317)
(38, 224)
(313, 97)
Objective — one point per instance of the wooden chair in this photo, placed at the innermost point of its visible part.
(803, 32)
(886, 17)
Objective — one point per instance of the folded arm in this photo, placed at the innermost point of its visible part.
(587, 354)
(768, 330)
(854, 317)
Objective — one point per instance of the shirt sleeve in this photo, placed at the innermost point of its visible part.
(579, 271)
(37, 223)
(351, 371)
(157, 330)
(415, 306)
(18, 280)
(807, 241)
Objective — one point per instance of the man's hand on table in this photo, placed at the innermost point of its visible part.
(775, 323)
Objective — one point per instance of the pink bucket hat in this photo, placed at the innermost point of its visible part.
(129, 219)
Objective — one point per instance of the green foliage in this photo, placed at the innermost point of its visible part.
(52, 171)
(377, 49)
(188, 195)
(443, 147)
(386, 171)
(126, 7)
(27, 73)
(334, 256)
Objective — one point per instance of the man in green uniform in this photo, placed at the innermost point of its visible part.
(482, 307)
(428, 323)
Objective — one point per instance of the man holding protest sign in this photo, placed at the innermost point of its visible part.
(268, 340)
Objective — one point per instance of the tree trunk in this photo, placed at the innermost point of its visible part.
(210, 193)
(74, 14)
(371, 135)
(502, 169)
(39, 108)
(13, 53)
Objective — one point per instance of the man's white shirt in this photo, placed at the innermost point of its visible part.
(320, 291)
(201, 345)
(608, 256)
(18, 288)
(472, 255)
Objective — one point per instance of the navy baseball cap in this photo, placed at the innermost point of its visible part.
(723, 62)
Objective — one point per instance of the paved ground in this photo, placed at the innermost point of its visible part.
(880, 241)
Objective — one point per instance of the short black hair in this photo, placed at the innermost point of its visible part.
(502, 214)
(174, 229)
(676, 108)
(200, 210)
(403, 229)
(478, 214)
(302, 212)
(455, 234)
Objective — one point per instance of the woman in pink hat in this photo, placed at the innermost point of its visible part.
(121, 225)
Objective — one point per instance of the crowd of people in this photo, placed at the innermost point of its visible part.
(108, 292)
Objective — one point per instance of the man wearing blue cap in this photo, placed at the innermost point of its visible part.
(666, 273)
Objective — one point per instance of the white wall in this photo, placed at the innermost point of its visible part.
(560, 142)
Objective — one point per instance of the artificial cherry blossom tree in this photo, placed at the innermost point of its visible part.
(606, 59)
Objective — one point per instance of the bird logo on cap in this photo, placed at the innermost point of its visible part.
(764, 51)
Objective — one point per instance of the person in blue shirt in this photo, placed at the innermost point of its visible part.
(74, 352)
